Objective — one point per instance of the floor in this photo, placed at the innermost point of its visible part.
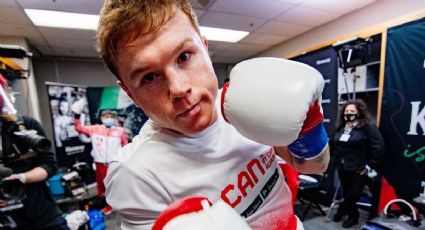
(113, 221)
(315, 221)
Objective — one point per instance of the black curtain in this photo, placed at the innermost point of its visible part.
(403, 109)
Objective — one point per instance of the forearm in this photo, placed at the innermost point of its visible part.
(80, 127)
(34, 175)
(284, 153)
(37, 174)
(316, 165)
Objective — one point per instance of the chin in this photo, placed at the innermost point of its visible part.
(197, 128)
(200, 126)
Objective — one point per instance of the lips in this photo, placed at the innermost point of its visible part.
(196, 108)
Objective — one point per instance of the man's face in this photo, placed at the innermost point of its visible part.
(64, 106)
(169, 75)
(107, 116)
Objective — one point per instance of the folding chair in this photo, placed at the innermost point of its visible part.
(308, 193)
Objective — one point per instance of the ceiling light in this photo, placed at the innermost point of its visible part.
(223, 35)
(48, 18)
(59, 19)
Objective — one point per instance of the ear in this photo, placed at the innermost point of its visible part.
(123, 87)
(205, 42)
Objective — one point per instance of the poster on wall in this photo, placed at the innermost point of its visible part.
(325, 61)
(403, 109)
(130, 117)
(71, 147)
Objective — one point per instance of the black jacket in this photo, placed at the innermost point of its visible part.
(39, 206)
(365, 146)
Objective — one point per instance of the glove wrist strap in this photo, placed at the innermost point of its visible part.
(311, 144)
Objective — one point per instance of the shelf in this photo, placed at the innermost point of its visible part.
(373, 63)
(363, 91)
(89, 192)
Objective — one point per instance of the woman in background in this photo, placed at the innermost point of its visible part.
(356, 146)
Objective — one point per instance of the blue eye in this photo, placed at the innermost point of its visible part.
(183, 57)
(149, 77)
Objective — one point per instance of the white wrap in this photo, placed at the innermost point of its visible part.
(78, 106)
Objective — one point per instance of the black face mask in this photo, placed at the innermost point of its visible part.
(351, 117)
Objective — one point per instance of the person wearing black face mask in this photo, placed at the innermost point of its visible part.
(350, 117)
(356, 148)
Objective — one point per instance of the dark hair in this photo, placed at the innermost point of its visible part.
(364, 115)
(61, 99)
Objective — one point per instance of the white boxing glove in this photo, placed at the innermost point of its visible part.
(276, 102)
(76, 219)
(78, 106)
(370, 172)
(197, 213)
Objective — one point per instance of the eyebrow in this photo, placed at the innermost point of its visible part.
(136, 71)
(142, 67)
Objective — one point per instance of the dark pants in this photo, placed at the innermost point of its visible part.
(352, 185)
(59, 223)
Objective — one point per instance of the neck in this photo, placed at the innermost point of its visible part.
(351, 123)
(9, 117)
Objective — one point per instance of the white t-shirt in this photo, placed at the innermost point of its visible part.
(160, 166)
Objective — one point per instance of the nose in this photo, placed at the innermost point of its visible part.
(178, 85)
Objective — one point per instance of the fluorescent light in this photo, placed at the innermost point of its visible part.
(59, 19)
(223, 35)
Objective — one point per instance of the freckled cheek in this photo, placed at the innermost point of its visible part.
(160, 115)
(205, 76)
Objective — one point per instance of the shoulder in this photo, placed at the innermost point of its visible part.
(132, 163)
(31, 123)
(132, 183)
(133, 190)
(370, 126)
(140, 149)
(29, 120)
(373, 130)
(119, 129)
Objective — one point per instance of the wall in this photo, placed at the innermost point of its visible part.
(222, 71)
(373, 14)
